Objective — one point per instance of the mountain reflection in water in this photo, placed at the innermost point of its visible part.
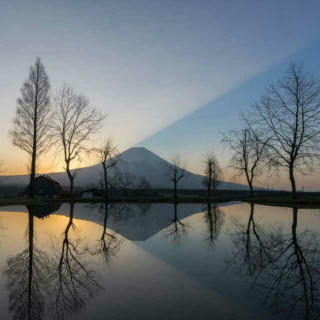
(235, 261)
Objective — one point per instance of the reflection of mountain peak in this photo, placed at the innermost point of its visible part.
(134, 224)
(138, 161)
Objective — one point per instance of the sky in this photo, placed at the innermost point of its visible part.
(171, 75)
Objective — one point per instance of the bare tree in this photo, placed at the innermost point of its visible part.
(178, 230)
(109, 243)
(213, 173)
(125, 211)
(289, 115)
(251, 243)
(76, 123)
(248, 154)
(32, 123)
(122, 181)
(214, 219)
(26, 275)
(284, 265)
(73, 280)
(143, 187)
(108, 156)
(175, 171)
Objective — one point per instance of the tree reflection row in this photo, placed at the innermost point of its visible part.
(62, 281)
(285, 267)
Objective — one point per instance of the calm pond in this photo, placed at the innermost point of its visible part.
(161, 261)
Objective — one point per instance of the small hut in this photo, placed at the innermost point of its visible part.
(46, 187)
(44, 210)
(92, 193)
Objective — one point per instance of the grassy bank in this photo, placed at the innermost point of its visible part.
(26, 201)
(278, 200)
(287, 201)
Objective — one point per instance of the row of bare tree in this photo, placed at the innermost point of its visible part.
(281, 132)
(66, 120)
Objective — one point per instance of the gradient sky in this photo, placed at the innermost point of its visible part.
(170, 75)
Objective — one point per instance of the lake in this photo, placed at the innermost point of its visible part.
(159, 261)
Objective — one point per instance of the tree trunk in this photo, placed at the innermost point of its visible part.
(71, 185)
(70, 223)
(35, 132)
(106, 182)
(250, 218)
(249, 182)
(32, 192)
(106, 213)
(175, 190)
(293, 182)
(175, 212)
(71, 178)
(210, 219)
(31, 232)
(294, 225)
(251, 189)
(33, 160)
(214, 187)
(210, 180)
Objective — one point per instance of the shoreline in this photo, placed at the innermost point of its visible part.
(287, 201)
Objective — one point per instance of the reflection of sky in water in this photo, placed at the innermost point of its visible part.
(158, 275)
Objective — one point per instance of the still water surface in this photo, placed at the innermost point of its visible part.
(161, 261)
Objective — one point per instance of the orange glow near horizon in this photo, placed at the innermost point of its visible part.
(46, 166)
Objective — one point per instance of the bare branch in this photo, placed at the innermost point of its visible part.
(32, 129)
(249, 154)
(213, 173)
(175, 171)
(76, 123)
(288, 116)
(108, 155)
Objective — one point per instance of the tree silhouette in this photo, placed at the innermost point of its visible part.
(248, 154)
(109, 243)
(286, 267)
(73, 280)
(32, 123)
(213, 173)
(124, 211)
(175, 170)
(108, 155)
(288, 116)
(75, 124)
(177, 231)
(27, 281)
(214, 219)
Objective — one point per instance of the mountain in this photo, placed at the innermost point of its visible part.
(138, 161)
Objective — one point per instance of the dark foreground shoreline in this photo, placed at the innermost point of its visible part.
(285, 201)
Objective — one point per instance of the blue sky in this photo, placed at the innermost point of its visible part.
(170, 74)
(202, 129)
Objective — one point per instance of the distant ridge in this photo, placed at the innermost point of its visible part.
(137, 160)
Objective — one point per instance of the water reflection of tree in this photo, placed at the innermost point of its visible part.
(250, 243)
(285, 266)
(26, 274)
(214, 219)
(109, 243)
(72, 278)
(124, 211)
(177, 231)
